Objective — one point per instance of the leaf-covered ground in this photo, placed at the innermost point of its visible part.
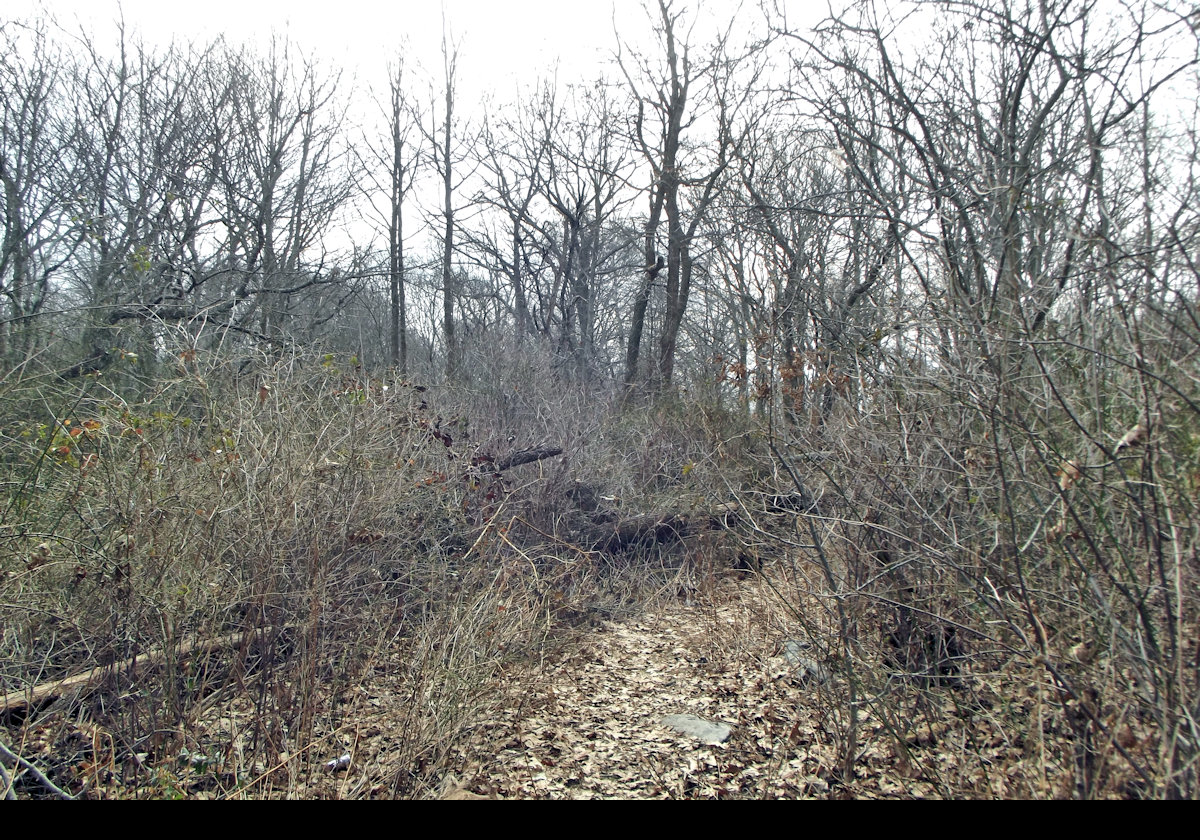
(587, 724)
(584, 721)
(590, 725)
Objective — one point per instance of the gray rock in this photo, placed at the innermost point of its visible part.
(704, 730)
(801, 667)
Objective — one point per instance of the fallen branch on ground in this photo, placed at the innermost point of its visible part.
(19, 700)
(29, 768)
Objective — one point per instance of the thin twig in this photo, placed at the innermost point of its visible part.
(7, 782)
(33, 771)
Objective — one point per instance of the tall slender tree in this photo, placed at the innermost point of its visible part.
(389, 167)
(677, 97)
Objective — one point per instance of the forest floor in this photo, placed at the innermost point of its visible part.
(591, 727)
(586, 722)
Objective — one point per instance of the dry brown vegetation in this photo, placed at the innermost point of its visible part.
(219, 568)
(279, 567)
(326, 520)
(838, 383)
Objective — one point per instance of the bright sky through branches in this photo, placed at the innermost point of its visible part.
(502, 44)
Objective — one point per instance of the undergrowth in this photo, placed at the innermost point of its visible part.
(250, 570)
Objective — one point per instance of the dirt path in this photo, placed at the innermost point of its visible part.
(588, 725)
(584, 723)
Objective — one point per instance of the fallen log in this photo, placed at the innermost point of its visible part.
(617, 536)
(643, 532)
(17, 701)
(515, 459)
(527, 456)
(613, 535)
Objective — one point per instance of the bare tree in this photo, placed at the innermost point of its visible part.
(589, 168)
(555, 180)
(1000, 156)
(281, 176)
(390, 169)
(39, 236)
(673, 95)
(444, 148)
(829, 249)
(513, 160)
(140, 151)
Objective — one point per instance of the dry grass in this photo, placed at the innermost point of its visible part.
(384, 594)
(333, 523)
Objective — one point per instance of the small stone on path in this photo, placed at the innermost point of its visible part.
(705, 730)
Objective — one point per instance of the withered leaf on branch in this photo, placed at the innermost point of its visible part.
(1068, 474)
(1134, 437)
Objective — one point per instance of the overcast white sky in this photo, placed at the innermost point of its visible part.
(503, 42)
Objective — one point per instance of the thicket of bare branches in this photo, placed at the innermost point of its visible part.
(906, 303)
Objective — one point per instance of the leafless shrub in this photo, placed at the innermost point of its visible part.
(322, 517)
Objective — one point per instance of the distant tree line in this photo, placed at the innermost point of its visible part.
(781, 216)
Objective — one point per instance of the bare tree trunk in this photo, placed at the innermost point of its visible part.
(654, 264)
(399, 311)
(668, 102)
(449, 290)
